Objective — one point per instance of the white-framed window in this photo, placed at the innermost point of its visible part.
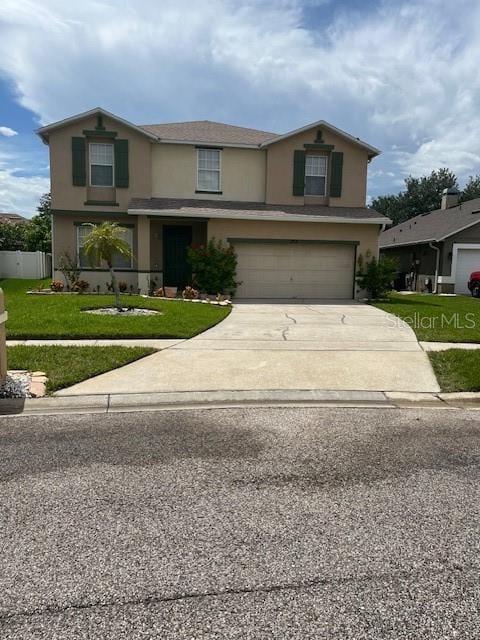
(119, 261)
(315, 175)
(208, 169)
(101, 164)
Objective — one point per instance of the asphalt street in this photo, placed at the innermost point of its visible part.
(289, 523)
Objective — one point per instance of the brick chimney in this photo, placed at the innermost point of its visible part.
(450, 197)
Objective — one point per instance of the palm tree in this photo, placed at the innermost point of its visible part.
(102, 244)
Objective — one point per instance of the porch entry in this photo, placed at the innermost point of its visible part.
(176, 270)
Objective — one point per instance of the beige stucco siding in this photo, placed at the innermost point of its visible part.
(279, 182)
(365, 234)
(174, 173)
(65, 196)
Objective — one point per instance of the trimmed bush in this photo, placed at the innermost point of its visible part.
(214, 267)
(376, 276)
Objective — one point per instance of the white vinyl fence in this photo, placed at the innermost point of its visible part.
(25, 264)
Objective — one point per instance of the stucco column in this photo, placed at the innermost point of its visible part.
(143, 253)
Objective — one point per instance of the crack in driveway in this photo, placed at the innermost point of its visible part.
(287, 329)
(197, 595)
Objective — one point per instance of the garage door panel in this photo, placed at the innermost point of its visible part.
(268, 276)
(468, 260)
(295, 270)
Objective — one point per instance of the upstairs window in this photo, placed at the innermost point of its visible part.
(101, 164)
(208, 170)
(315, 175)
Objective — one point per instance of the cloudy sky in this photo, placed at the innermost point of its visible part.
(401, 74)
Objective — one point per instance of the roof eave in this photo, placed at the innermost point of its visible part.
(406, 244)
(233, 215)
(203, 143)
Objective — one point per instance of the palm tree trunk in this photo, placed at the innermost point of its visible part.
(116, 290)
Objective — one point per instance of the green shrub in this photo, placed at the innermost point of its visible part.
(376, 276)
(214, 267)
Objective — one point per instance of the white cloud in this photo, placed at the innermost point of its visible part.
(7, 132)
(402, 75)
(19, 193)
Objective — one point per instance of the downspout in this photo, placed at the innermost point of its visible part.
(437, 265)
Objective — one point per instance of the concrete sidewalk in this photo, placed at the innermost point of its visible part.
(335, 346)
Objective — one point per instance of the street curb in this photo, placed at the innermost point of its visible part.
(119, 403)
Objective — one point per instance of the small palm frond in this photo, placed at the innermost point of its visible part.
(104, 242)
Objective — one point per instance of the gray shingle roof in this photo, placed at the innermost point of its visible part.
(434, 226)
(206, 208)
(207, 131)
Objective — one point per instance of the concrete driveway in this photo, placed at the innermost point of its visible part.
(337, 346)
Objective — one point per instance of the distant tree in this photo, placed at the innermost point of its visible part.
(12, 236)
(471, 189)
(421, 195)
(38, 232)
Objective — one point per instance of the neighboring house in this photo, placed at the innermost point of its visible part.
(442, 247)
(292, 205)
(12, 218)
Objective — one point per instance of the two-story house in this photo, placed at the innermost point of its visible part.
(292, 205)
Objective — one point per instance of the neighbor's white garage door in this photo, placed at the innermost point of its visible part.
(295, 270)
(468, 260)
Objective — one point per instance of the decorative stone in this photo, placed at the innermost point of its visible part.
(37, 389)
(125, 312)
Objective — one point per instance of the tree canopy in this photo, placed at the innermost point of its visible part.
(33, 235)
(423, 194)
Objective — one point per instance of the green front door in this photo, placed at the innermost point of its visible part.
(176, 270)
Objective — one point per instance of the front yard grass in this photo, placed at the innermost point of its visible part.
(437, 318)
(60, 316)
(65, 366)
(457, 369)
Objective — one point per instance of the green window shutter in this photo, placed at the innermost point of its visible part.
(121, 163)
(79, 171)
(336, 174)
(298, 173)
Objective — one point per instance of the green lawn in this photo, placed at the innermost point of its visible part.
(437, 318)
(457, 369)
(65, 366)
(60, 316)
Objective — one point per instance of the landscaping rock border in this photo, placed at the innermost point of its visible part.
(125, 312)
(24, 384)
(220, 303)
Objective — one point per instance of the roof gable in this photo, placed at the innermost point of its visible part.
(44, 132)
(373, 151)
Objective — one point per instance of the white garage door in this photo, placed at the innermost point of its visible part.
(468, 260)
(295, 270)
